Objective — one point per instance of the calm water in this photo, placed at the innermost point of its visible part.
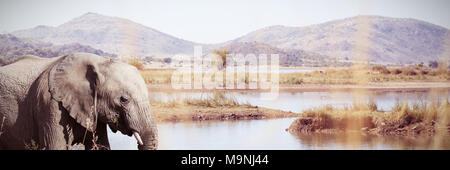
(300, 101)
(271, 134)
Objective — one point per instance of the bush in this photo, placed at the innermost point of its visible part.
(433, 64)
(409, 71)
(397, 71)
(295, 80)
(381, 69)
(167, 60)
(223, 55)
(424, 72)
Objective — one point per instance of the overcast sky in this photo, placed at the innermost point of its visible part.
(213, 21)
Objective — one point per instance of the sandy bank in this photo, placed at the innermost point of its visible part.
(425, 119)
(199, 113)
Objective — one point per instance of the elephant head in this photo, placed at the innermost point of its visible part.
(94, 89)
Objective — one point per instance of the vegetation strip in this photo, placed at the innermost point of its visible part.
(404, 119)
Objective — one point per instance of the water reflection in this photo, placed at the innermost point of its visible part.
(300, 101)
(358, 140)
(271, 134)
(245, 134)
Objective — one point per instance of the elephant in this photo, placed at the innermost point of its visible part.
(55, 103)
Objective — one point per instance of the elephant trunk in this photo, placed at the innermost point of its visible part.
(149, 139)
(142, 124)
(148, 131)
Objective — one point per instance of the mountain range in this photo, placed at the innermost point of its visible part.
(391, 40)
(378, 39)
(110, 34)
(288, 57)
(12, 47)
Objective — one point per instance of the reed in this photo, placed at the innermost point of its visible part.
(403, 118)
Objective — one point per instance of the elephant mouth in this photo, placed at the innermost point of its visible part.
(113, 128)
(120, 126)
(116, 123)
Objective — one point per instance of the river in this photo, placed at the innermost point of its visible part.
(270, 134)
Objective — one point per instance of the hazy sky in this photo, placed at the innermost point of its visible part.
(213, 21)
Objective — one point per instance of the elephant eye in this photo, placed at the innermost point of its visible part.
(124, 100)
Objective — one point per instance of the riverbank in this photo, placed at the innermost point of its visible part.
(383, 86)
(216, 107)
(195, 113)
(329, 76)
(403, 119)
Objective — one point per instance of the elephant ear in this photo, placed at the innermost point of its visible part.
(73, 81)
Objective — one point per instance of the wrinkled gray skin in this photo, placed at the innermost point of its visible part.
(51, 102)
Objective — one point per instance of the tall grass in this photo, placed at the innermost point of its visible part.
(367, 115)
(354, 75)
(157, 76)
(136, 63)
(215, 100)
(434, 111)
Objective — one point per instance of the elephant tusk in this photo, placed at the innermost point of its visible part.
(138, 138)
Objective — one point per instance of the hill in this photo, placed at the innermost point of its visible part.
(390, 40)
(110, 34)
(12, 47)
(374, 39)
(288, 57)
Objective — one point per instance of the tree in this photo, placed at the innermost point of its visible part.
(223, 56)
(433, 64)
(167, 60)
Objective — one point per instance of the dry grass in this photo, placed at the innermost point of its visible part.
(356, 75)
(404, 118)
(217, 100)
(165, 76)
(352, 75)
(96, 145)
(215, 107)
(137, 63)
(32, 145)
(436, 111)
(157, 76)
(213, 101)
(218, 106)
(223, 55)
